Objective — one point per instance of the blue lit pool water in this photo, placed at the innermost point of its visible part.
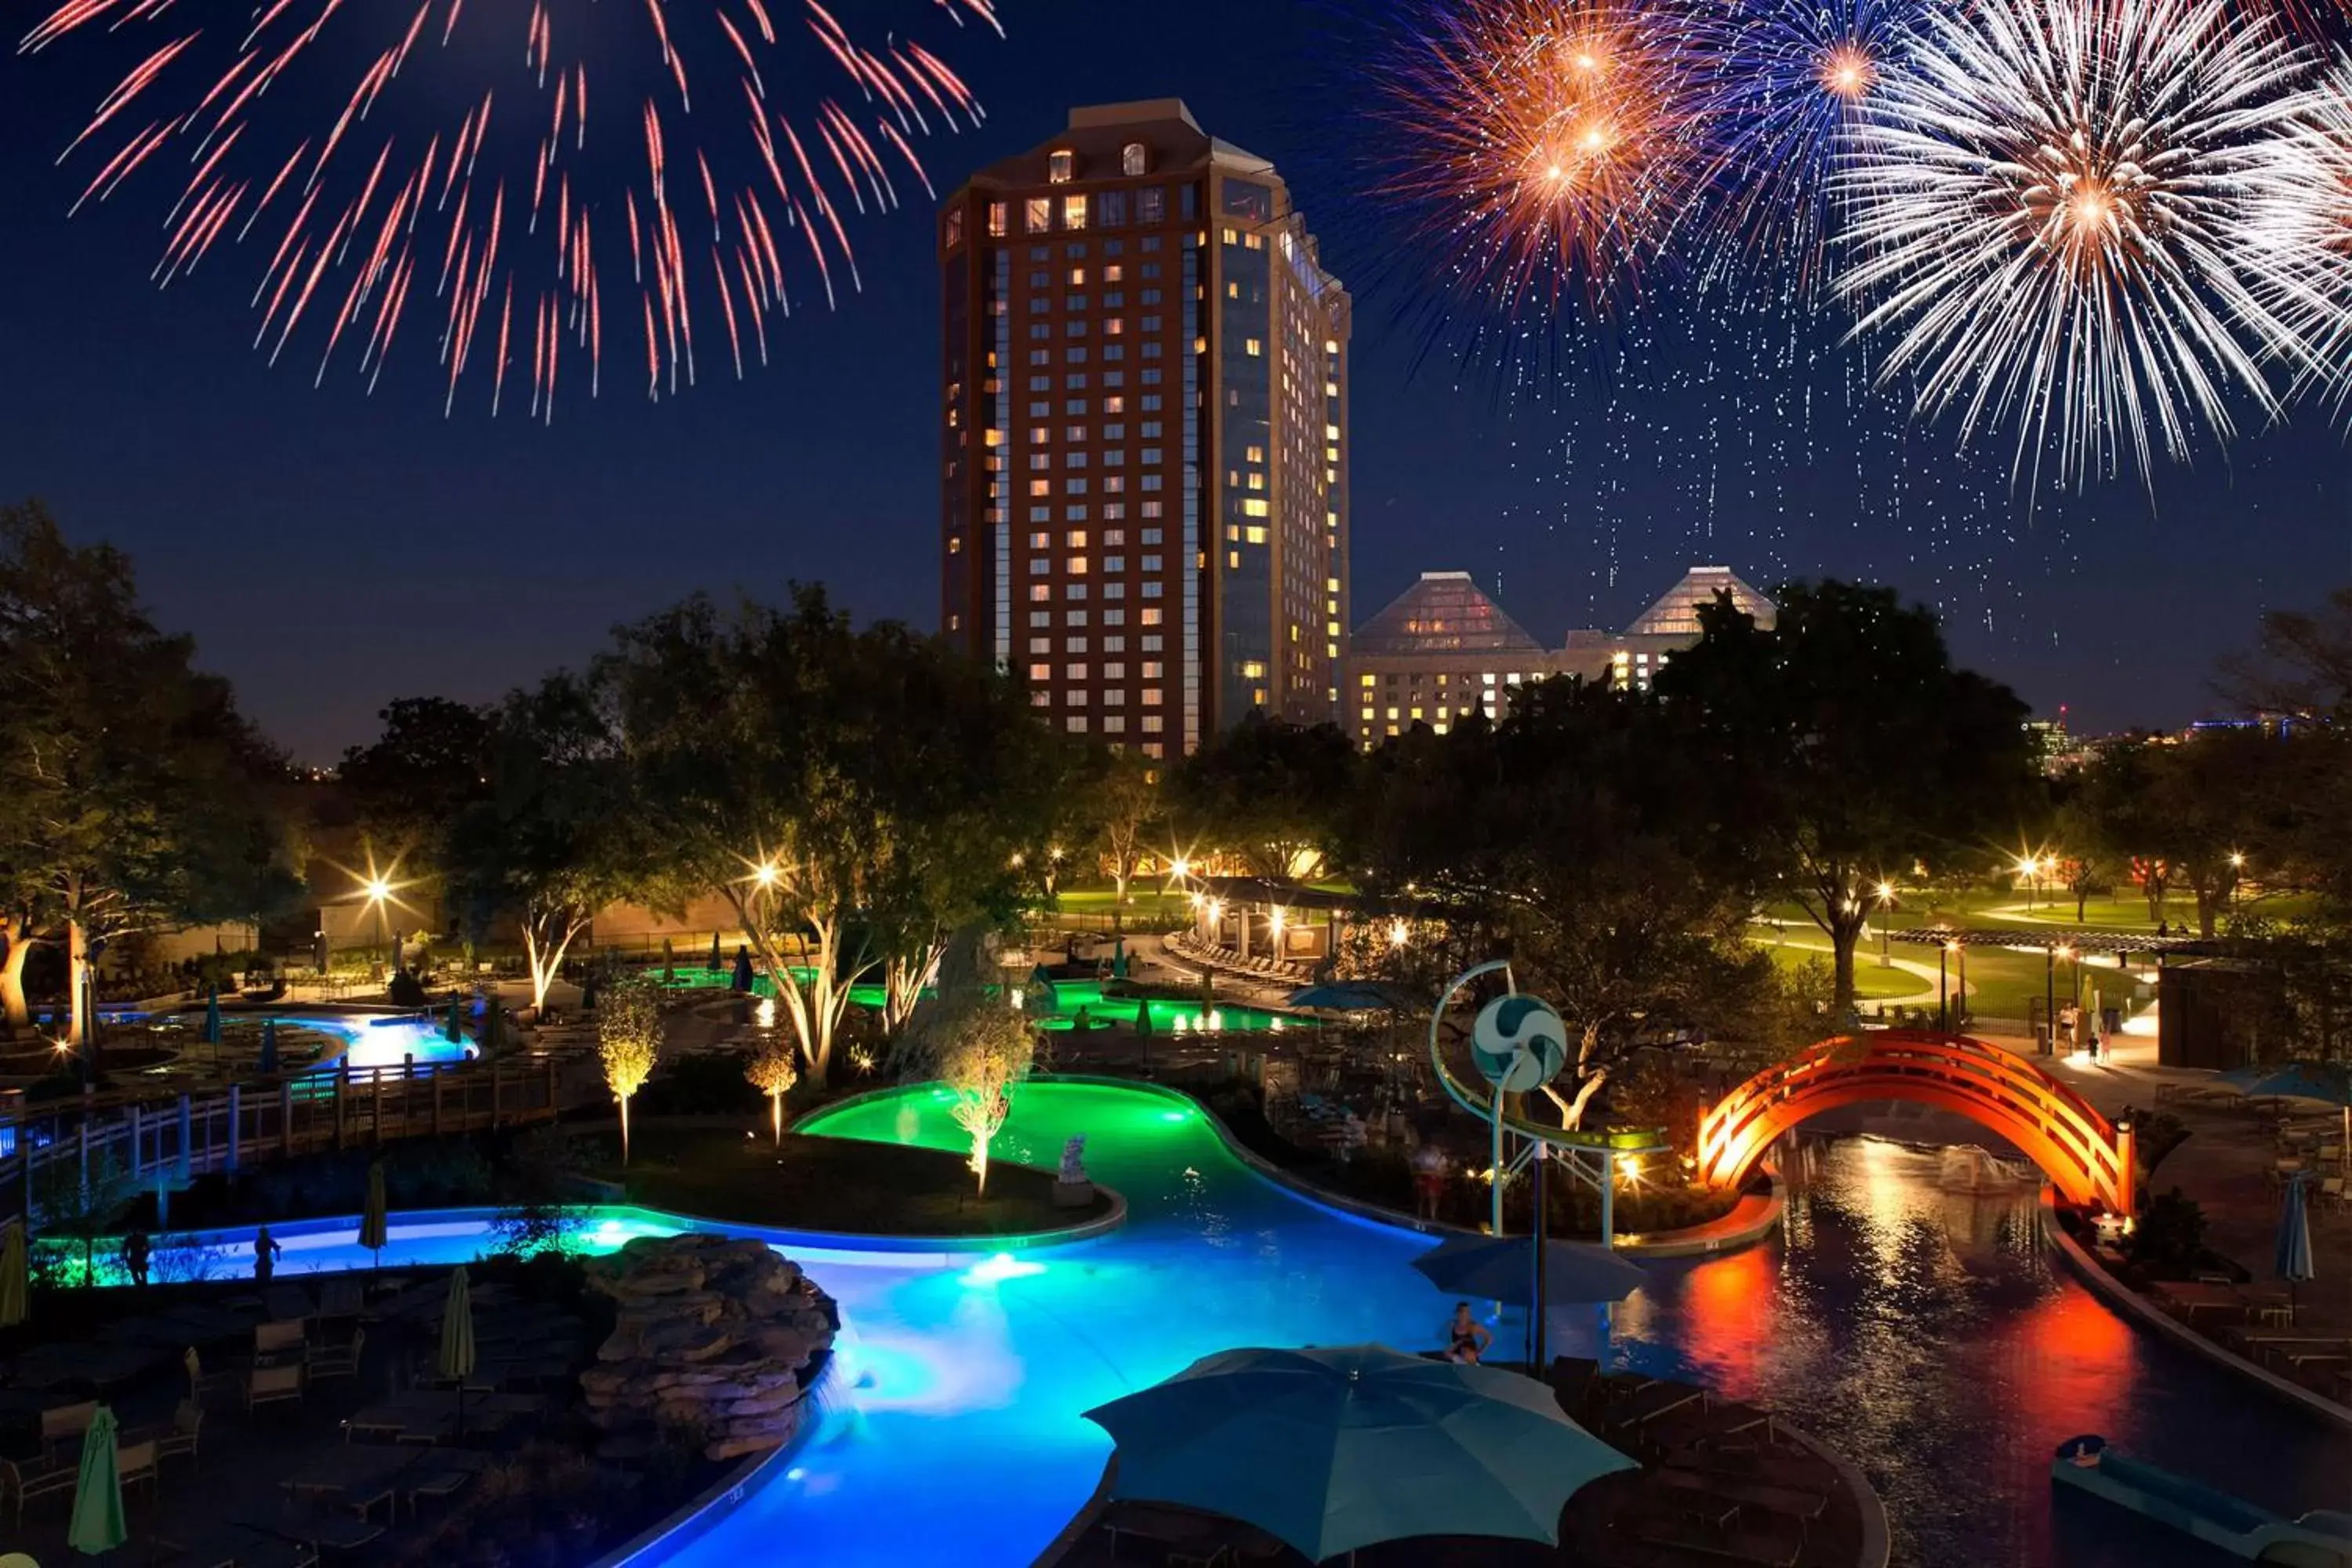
(1923, 1332)
(369, 1040)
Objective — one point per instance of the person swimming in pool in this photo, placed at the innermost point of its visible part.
(1467, 1337)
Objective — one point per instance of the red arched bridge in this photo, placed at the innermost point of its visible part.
(2085, 1156)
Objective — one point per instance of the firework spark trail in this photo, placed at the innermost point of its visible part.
(371, 209)
(2047, 218)
(2300, 224)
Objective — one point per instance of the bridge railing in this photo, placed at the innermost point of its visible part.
(1971, 1075)
(164, 1141)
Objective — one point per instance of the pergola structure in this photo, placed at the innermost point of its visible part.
(2053, 942)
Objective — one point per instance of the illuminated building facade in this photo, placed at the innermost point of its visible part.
(1144, 432)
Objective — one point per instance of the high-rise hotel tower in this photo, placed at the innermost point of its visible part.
(1144, 428)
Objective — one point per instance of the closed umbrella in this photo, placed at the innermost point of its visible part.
(16, 1276)
(454, 1358)
(1119, 958)
(268, 1047)
(1497, 1268)
(453, 1028)
(375, 1225)
(213, 1017)
(98, 1523)
(743, 970)
(713, 973)
(2291, 1259)
(1344, 1446)
(494, 1028)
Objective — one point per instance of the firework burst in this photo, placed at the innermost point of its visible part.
(2047, 219)
(1548, 148)
(2301, 227)
(1790, 79)
(388, 170)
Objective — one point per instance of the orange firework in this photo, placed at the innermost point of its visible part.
(1549, 146)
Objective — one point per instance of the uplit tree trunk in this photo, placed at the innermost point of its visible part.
(904, 977)
(817, 1007)
(548, 932)
(14, 1015)
(77, 984)
(624, 1127)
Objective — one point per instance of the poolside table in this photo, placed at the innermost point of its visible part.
(356, 1478)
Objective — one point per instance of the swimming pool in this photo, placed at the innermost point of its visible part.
(1168, 1015)
(1923, 1332)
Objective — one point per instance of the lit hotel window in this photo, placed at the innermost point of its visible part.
(1059, 165)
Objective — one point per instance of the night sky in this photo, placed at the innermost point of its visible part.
(332, 551)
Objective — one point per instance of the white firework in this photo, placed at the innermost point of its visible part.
(2300, 229)
(2048, 216)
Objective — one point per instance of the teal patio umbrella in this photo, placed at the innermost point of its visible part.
(375, 1220)
(1119, 958)
(1344, 1446)
(16, 1276)
(97, 1525)
(268, 1047)
(2330, 1083)
(1498, 1269)
(213, 1017)
(453, 1028)
(2290, 1258)
(1043, 1000)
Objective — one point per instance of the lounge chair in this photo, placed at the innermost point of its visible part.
(66, 1424)
(436, 1483)
(29, 1481)
(286, 1340)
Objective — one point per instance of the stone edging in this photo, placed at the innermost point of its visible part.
(693, 1519)
(2149, 1315)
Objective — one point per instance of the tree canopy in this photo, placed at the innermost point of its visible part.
(134, 795)
(1842, 746)
(1267, 791)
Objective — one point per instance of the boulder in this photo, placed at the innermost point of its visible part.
(712, 1333)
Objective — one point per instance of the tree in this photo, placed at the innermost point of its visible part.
(2088, 858)
(551, 833)
(1843, 744)
(979, 1047)
(1267, 792)
(853, 796)
(1121, 799)
(414, 781)
(771, 1070)
(133, 796)
(1558, 839)
(629, 1043)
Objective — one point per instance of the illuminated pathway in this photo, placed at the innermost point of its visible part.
(1922, 1332)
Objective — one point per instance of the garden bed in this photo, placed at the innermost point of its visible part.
(722, 1170)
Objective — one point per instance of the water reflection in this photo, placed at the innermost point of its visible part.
(1926, 1332)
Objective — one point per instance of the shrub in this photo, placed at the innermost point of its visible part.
(536, 1180)
(2169, 1241)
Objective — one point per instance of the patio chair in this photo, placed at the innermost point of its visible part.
(286, 1340)
(187, 1427)
(339, 1361)
(66, 1424)
(135, 1462)
(2331, 1191)
(202, 1384)
(270, 1385)
(341, 1298)
(28, 1481)
(437, 1484)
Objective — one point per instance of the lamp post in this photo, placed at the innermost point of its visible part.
(1961, 1003)
(1943, 1001)
(1885, 902)
(2237, 864)
(2050, 1000)
(378, 890)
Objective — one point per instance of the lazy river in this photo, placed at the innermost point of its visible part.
(1924, 1333)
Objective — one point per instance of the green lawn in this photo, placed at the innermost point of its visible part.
(740, 1174)
(1872, 982)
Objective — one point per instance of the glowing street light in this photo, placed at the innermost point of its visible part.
(1397, 934)
(767, 874)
